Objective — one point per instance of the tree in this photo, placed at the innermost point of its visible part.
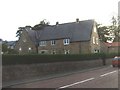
(41, 25)
(103, 32)
(19, 31)
(7, 50)
(115, 29)
(4, 48)
(110, 33)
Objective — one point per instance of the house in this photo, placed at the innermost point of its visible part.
(113, 47)
(103, 47)
(8, 47)
(27, 42)
(69, 38)
(11, 44)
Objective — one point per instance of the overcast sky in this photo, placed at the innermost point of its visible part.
(19, 13)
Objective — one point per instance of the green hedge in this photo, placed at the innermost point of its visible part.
(30, 59)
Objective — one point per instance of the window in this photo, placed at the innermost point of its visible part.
(42, 43)
(93, 40)
(66, 41)
(97, 41)
(20, 49)
(67, 51)
(96, 51)
(29, 48)
(53, 52)
(53, 42)
(43, 51)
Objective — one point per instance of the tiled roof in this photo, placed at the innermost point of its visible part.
(32, 35)
(75, 31)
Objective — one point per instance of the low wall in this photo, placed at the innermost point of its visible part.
(18, 72)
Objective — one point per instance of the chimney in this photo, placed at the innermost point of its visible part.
(77, 20)
(57, 23)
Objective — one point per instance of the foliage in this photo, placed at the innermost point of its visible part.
(115, 29)
(7, 50)
(41, 25)
(4, 48)
(110, 33)
(19, 31)
(102, 32)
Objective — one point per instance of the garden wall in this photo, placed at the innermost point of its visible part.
(28, 71)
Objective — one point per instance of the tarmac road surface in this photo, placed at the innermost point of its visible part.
(105, 77)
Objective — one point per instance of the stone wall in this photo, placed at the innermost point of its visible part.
(59, 47)
(20, 72)
(25, 45)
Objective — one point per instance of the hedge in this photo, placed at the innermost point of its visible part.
(30, 59)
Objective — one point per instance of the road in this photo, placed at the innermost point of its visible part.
(105, 77)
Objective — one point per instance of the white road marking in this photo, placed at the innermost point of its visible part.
(108, 73)
(75, 83)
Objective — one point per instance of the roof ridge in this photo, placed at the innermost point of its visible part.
(73, 22)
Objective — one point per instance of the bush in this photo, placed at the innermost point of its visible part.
(36, 58)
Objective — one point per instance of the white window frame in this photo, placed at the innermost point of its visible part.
(20, 49)
(29, 48)
(42, 43)
(53, 42)
(53, 52)
(66, 41)
(67, 51)
(95, 51)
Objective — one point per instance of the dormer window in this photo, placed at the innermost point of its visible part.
(66, 41)
(42, 43)
(53, 42)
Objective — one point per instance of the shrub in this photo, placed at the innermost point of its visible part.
(36, 58)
